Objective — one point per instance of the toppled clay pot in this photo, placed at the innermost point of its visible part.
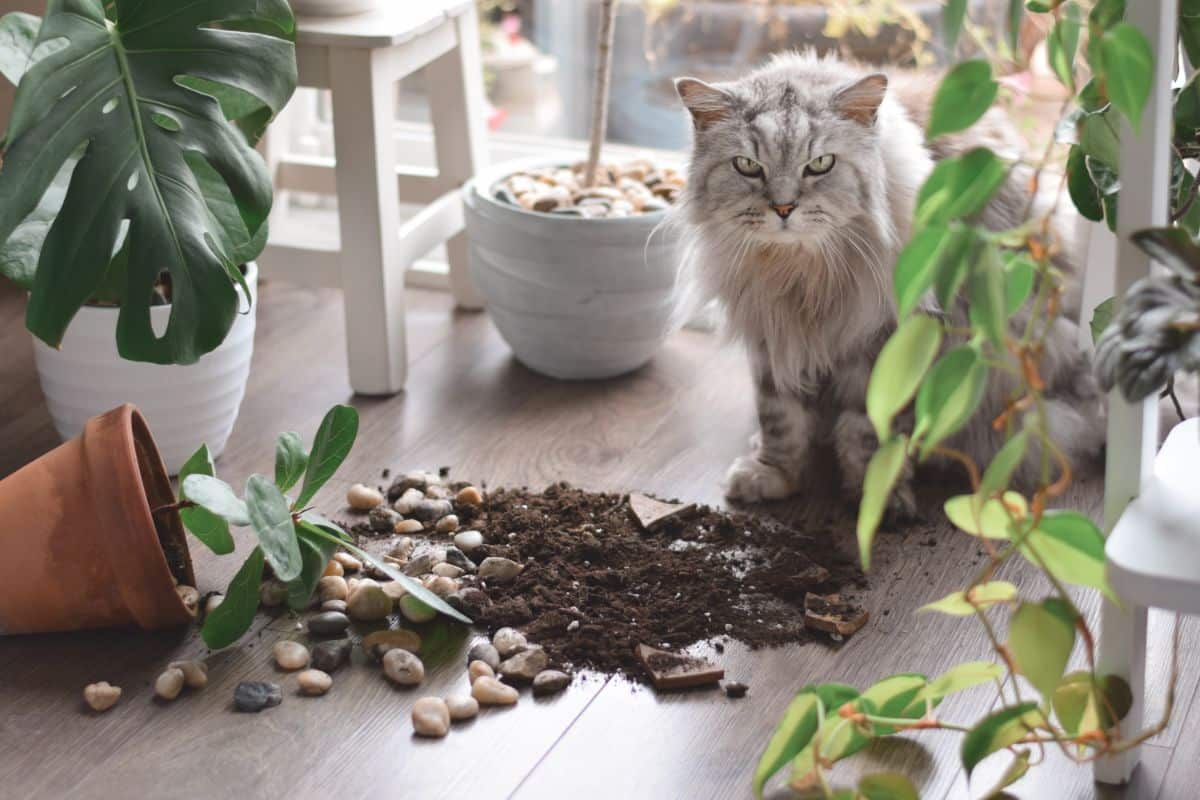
(79, 546)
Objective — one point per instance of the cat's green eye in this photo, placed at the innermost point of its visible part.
(748, 167)
(820, 165)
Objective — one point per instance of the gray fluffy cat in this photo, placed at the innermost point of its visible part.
(800, 195)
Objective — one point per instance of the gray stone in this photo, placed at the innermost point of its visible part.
(383, 519)
(328, 623)
(470, 601)
(509, 641)
(550, 681)
(254, 696)
(432, 510)
(484, 651)
(459, 559)
(329, 656)
(524, 666)
(499, 570)
(424, 560)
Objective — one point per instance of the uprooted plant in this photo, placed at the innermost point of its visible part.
(293, 539)
(1038, 704)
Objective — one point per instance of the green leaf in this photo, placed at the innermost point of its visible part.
(897, 696)
(1107, 13)
(1101, 317)
(887, 786)
(1015, 771)
(959, 187)
(957, 604)
(999, 473)
(916, 267)
(1041, 637)
(1083, 192)
(272, 523)
(204, 524)
(1098, 138)
(1171, 247)
(985, 287)
(1072, 549)
(1128, 70)
(838, 739)
(1016, 12)
(792, 734)
(953, 263)
(1084, 704)
(1189, 29)
(899, 368)
(998, 731)
(1062, 43)
(290, 460)
(226, 624)
(110, 89)
(965, 95)
(882, 473)
(1019, 275)
(18, 36)
(335, 437)
(216, 496)
(953, 16)
(949, 396)
(315, 552)
(991, 519)
(19, 255)
(962, 677)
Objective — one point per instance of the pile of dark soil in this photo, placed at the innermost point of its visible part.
(704, 576)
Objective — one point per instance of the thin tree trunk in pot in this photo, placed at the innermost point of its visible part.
(608, 16)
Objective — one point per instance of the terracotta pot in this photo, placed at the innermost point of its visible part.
(79, 547)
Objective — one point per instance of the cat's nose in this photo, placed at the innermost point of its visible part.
(784, 210)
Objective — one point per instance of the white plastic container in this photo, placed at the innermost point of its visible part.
(575, 298)
(336, 8)
(185, 406)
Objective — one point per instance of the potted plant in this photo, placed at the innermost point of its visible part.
(132, 203)
(335, 8)
(563, 254)
(83, 546)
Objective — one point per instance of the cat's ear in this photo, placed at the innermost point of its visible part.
(860, 101)
(707, 104)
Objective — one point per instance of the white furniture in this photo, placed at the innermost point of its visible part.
(1145, 532)
(360, 58)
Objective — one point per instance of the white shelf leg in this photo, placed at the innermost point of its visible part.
(372, 275)
(460, 130)
(1133, 428)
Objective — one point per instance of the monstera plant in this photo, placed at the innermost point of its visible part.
(129, 162)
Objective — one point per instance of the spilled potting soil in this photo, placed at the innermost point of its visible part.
(596, 584)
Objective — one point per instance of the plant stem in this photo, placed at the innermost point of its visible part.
(604, 46)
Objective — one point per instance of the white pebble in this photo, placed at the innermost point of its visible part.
(368, 602)
(212, 603)
(479, 669)
(332, 587)
(402, 667)
(290, 655)
(169, 684)
(190, 597)
(349, 563)
(409, 526)
(491, 692)
(469, 496)
(431, 717)
(408, 501)
(463, 707)
(195, 673)
(447, 524)
(314, 682)
(447, 570)
(101, 696)
(363, 498)
(468, 540)
(509, 641)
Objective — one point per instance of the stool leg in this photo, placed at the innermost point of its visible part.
(1122, 651)
(371, 273)
(460, 135)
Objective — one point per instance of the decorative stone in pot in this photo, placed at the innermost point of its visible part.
(186, 406)
(576, 297)
(337, 8)
(80, 546)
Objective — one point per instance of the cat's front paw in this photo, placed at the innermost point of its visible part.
(751, 481)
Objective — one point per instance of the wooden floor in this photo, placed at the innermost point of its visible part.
(671, 428)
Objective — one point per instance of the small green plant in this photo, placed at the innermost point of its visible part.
(129, 163)
(293, 539)
(935, 373)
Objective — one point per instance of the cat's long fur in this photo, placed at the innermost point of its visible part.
(810, 294)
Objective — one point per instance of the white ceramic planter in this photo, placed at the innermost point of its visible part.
(337, 8)
(186, 406)
(575, 298)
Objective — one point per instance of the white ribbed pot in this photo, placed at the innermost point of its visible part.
(337, 8)
(185, 406)
(575, 298)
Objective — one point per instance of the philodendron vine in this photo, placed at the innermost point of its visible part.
(293, 539)
(998, 273)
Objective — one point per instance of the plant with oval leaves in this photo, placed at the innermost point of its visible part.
(129, 161)
(996, 274)
(293, 539)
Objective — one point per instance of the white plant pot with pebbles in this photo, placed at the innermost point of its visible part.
(578, 291)
(335, 8)
(185, 406)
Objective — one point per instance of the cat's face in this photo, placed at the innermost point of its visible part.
(783, 159)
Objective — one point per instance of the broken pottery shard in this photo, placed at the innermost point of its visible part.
(651, 513)
(675, 671)
(828, 613)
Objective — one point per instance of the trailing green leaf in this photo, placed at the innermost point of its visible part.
(1062, 43)
(1013, 773)
(1083, 192)
(791, 735)
(963, 604)
(883, 471)
(1071, 548)
(887, 786)
(999, 730)
(206, 526)
(991, 519)
(1101, 318)
(953, 16)
(959, 187)
(335, 437)
(899, 368)
(1041, 637)
(962, 677)
(949, 396)
(1019, 275)
(985, 287)
(965, 95)
(999, 473)
(1128, 70)
(233, 616)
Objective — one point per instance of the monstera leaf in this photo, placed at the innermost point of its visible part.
(142, 94)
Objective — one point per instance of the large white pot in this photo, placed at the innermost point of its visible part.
(575, 298)
(337, 8)
(186, 406)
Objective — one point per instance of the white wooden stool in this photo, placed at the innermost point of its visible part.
(360, 58)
